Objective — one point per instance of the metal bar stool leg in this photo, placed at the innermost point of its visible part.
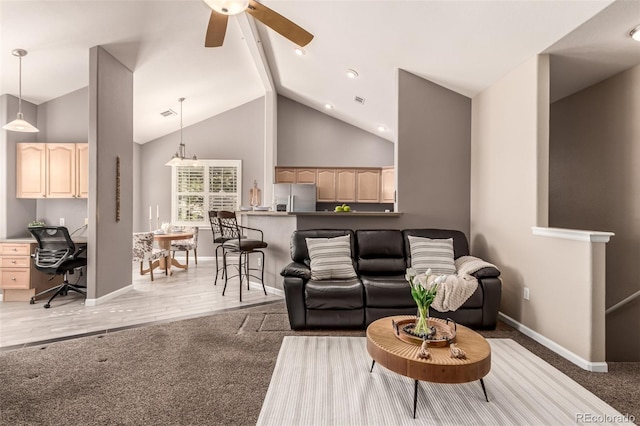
(240, 272)
(262, 274)
(224, 266)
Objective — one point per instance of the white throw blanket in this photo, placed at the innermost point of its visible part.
(459, 287)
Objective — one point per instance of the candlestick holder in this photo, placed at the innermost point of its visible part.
(151, 226)
(158, 222)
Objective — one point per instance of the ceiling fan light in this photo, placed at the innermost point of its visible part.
(635, 33)
(228, 7)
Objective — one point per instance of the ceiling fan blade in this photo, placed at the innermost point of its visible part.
(216, 30)
(279, 23)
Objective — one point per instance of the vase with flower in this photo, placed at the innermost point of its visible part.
(424, 287)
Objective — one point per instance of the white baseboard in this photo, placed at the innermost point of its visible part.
(596, 367)
(270, 290)
(100, 300)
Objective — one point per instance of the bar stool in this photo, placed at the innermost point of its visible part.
(236, 242)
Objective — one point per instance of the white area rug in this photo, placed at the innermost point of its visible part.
(326, 381)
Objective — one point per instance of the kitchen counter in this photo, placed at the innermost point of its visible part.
(341, 215)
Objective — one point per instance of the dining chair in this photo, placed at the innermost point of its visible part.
(187, 244)
(237, 242)
(143, 251)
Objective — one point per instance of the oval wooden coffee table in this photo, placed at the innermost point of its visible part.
(401, 357)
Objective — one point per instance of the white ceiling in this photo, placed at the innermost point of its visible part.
(463, 45)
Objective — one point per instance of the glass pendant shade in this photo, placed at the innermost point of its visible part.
(228, 7)
(180, 157)
(20, 124)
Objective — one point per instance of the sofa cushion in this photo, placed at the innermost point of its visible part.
(434, 254)
(299, 251)
(380, 252)
(334, 294)
(331, 258)
(460, 245)
(387, 291)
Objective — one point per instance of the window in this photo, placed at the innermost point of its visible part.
(209, 185)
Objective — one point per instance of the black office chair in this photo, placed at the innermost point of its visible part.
(56, 254)
(236, 242)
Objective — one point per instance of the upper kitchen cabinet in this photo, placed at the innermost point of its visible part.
(52, 170)
(368, 185)
(345, 185)
(285, 175)
(305, 175)
(30, 170)
(61, 170)
(326, 185)
(388, 185)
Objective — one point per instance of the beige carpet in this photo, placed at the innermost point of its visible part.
(326, 381)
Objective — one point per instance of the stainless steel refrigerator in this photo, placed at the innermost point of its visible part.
(295, 197)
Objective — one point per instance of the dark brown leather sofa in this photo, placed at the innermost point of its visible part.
(380, 259)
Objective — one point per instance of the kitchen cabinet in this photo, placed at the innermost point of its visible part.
(367, 185)
(31, 170)
(345, 185)
(19, 279)
(285, 175)
(388, 185)
(82, 170)
(61, 170)
(52, 170)
(305, 175)
(326, 185)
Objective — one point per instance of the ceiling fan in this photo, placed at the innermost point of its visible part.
(223, 8)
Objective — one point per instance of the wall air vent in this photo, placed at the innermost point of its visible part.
(359, 100)
(168, 113)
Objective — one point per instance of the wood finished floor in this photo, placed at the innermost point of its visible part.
(186, 294)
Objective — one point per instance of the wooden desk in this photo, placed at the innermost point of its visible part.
(164, 242)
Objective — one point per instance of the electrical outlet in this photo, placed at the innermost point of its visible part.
(86, 221)
(259, 261)
(526, 293)
(62, 221)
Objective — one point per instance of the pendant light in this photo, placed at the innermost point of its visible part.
(19, 124)
(180, 157)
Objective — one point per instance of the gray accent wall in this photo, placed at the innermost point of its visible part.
(433, 155)
(307, 137)
(15, 213)
(110, 136)
(232, 135)
(594, 164)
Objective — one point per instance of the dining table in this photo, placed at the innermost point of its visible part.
(164, 242)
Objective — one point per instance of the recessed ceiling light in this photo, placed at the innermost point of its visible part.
(299, 51)
(382, 128)
(635, 33)
(351, 73)
(328, 106)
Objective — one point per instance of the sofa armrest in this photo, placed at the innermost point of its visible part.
(294, 298)
(488, 272)
(296, 269)
(492, 292)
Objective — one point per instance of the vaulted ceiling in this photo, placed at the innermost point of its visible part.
(462, 45)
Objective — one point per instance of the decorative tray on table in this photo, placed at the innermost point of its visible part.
(442, 332)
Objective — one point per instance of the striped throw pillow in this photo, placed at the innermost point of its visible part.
(330, 258)
(435, 254)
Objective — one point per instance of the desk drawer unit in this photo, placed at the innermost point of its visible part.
(19, 280)
(15, 278)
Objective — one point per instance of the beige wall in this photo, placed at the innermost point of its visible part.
(110, 136)
(595, 179)
(508, 197)
(433, 155)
